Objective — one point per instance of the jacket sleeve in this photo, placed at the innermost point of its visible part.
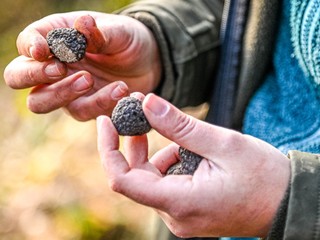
(299, 214)
(187, 33)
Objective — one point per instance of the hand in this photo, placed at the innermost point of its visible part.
(119, 48)
(236, 190)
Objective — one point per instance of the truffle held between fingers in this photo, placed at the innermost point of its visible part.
(189, 162)
(129, 120)
(67, 44)
(128, 117)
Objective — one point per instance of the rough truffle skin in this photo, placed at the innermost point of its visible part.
(67, 44)
(189, 162)
(128, 117)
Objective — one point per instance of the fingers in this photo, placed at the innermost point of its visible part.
(105, 33)
(112, 160)
(165, 158)
(111, 34)
(31, 43)
(46, 98)
(136, 153)
(195, 135)
(98, 103)
(136, 149)
(144, 187)
(24, 72)
(150, 189)
(55, 90)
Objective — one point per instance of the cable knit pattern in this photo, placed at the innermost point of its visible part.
(285, 111)
(305, 24)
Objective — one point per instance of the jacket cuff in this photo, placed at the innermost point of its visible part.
(277, 229)
(304, 205)
(302, 217)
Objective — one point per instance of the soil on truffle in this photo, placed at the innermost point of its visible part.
(128, 117)
(67, 44)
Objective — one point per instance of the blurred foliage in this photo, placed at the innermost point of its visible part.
(51, 183)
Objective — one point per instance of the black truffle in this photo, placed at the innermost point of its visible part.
(128, 117)
(189, 162)
(67, 44)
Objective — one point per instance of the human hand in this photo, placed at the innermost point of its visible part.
(236, 190)
(119, 48)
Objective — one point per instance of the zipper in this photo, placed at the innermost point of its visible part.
(224, 19)
(232, 31)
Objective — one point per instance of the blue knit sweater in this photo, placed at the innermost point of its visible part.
(285, 111)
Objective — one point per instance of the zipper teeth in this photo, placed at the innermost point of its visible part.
(223, 99)
(224, 19)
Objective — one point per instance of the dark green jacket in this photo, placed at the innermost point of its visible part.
(219, 52)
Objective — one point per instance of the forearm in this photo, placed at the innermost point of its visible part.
(187, 33)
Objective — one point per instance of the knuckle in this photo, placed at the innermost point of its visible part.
(81, 117)
(103, 103)
(185, 125)
(34, 106)
(32, 75)
(115, 185)
(87, 110)
(181, 212)
(78, 113)
(234, 140)
(61, 94)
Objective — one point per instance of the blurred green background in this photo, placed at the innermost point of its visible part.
(51, 184)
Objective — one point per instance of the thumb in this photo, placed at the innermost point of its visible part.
(195, 135)
(87, 26)
(177, 126)
(114, 34)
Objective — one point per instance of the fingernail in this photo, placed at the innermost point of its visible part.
(31, 49)
(99, 128)
(156, 105)
(99, 122)
(120, 91)
(81, 84)
(52, 70)
(137, 95)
